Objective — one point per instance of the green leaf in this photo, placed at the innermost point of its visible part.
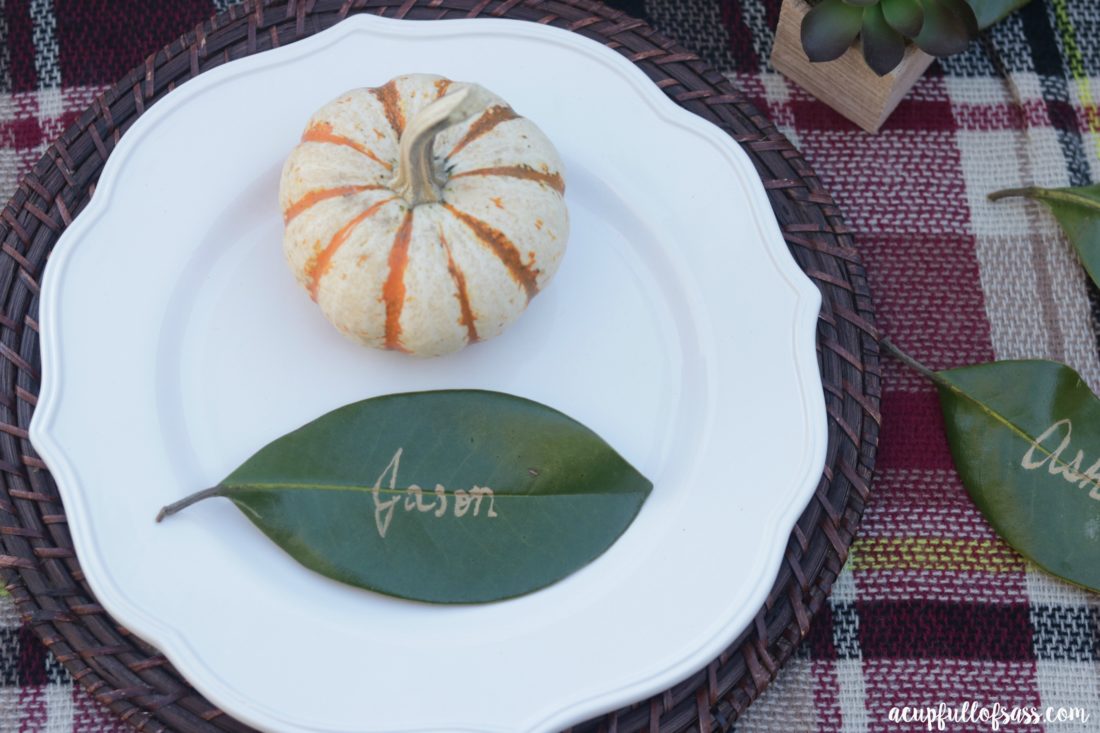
(904, 16)
(1077, 211)
(829, 29)
(883, 47)
(949, 26)
(449, 497)
(1025, 437)
(989, 12)
(964, 12)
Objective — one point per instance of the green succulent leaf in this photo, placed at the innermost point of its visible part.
(904, 16)
(862, 3)
(989, 12)
(456, 496)
(829, 29)
(883, 47)
(965, 12)
(1078, 212)
(1025, 438)
(949, 26)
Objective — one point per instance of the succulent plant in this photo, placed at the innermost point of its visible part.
(937, 27)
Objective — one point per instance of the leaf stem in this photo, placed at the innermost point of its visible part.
(1049, 194)
(940, 381)
(912, 363)
(187, 501)
(1028, 191)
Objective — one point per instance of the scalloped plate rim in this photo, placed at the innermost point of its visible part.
(173, 645)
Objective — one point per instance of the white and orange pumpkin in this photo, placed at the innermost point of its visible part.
(423, 215)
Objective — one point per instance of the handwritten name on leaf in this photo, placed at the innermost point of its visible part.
(1036, 457)
(560, 496)
(414, 498)
(1015, 429)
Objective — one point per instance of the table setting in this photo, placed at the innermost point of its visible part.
(798, 433)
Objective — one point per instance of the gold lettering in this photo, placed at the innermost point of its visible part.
(414, 498)
(1069, 471)
(479, 492)
(1029, 461)
(462, 502)
(442, 494)
(1092, 476)
(420, 505)
(383, 510)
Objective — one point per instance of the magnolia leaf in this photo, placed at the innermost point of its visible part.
(458, 496)
(1077, 211)
(829, 29)
(1025, 437)
(949, 26)
(904, 16)
(883, 47)
(989, 12)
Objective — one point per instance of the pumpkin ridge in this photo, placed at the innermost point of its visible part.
(526, 172)
(390, 98)
(499, 244)
(393, 290)
(489, 119)
(484, 182)
(321, 194)
(324, 259)
(467, 318)
(321, 132)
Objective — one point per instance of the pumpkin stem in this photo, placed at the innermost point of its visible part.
(417, 180)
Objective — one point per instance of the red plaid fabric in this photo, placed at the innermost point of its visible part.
(932, 608)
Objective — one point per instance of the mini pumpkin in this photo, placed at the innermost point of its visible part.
(423, 215)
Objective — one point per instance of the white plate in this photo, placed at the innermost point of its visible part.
(175, 343)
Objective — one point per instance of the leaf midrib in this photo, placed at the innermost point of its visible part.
(943, 381)
(426, 491)
(1067, 197)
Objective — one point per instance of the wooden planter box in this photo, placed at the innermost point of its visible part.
(847, 84)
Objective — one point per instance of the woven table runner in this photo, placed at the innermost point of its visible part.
(932, 608)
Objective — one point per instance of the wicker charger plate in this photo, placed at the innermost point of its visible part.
(135, 681)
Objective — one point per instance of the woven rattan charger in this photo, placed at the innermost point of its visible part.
(133, 679)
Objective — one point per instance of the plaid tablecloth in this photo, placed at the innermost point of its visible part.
(932, 608)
